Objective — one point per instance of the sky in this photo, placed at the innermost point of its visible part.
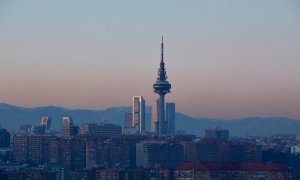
(225, 59)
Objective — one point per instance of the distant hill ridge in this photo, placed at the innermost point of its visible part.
(11, 117)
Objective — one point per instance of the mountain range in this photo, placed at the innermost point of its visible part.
(11, 117)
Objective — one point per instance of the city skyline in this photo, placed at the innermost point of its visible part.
(241, 58)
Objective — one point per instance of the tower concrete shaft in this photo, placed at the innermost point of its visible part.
(162, 87)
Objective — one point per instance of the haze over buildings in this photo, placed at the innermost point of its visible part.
(241, 58)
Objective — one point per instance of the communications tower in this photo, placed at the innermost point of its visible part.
(161, 87)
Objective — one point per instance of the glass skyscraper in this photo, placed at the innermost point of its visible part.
(138, 113)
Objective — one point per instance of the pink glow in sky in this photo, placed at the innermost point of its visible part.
(224, 59)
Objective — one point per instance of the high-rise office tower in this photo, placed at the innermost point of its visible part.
(162, 87)
(154, 117)
(46, 121)
(138, 113)
(68, 129)
(170, 117)
(67, 121)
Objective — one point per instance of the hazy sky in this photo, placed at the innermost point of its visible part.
(224, 59)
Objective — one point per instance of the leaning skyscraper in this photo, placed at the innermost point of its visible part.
(162, 87)
(138, 114)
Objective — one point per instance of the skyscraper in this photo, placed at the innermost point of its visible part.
(138, 113)
(46, 122)
(170, 117)
(67, 121)
(162, 87)
(154, 117)
(68, 129)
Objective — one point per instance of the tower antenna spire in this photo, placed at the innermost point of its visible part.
(162, 49)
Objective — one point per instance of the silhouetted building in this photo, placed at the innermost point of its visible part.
(170, 117)
(25, 129)
(20, 148)
(162, 87)
(67, 121)
(74, 153)
(38, 130)
(216, 150)
(38, 148)
(105, 174)
(154, 117)
(6, 155)
(68, 129)
(121, 174)
(56, 150)
(29, 173)
(127, 120)
(232, 171)
(207, 151)
(138, 113)
(217, 132)
(111, 153)
(31, 149)
(4, 138)
(46, 121)
(88, 128)
(128, 128)
(104, 129)
(69, 152)
(150, 154)
(251, 152)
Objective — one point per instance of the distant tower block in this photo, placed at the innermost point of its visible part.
(128, 120)
(217, 132)
(67, 121)
(138, 113)
(154, 117)
(162, 87)
(68, 129)
(170, 116)
(46, 121)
